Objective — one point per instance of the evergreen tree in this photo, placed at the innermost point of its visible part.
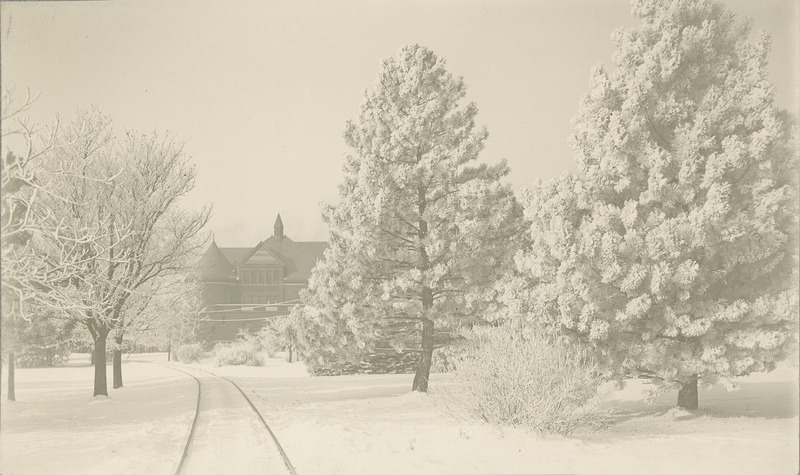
(44, 341)
(672, 250)
(421, 231)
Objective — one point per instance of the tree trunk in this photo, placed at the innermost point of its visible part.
(687, 396)
(425, 358)
(290, 354)
(426, 296)
(100, 381)
(11, 363)
(118, 361)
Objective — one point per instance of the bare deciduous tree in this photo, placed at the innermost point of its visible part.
(129, 197)
(30, 182)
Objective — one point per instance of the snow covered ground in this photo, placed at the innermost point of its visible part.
(56, 427)
(229, 437)
(374, 424)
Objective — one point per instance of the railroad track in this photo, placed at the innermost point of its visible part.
(190, 437)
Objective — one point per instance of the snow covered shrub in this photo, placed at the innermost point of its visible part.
(189, 353)
(447, 358)
(246, 350)
(520, 377)
(238, 353)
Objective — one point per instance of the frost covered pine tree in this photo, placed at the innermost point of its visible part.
(673, 250)
(421, 231)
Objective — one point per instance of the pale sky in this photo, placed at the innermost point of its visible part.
(260, 91)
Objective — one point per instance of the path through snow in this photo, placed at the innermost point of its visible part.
(229, 437)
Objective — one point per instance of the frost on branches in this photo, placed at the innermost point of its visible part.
(421, 231)
(127, 191)
(672, 252)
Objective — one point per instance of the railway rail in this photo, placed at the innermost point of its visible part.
(190, 437)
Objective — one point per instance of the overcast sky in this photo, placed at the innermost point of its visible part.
(261, 91)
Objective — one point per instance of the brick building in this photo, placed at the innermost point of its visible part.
(242, 286)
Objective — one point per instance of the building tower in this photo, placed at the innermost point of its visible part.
(278, 228)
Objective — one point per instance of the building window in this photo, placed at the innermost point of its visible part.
(254, 277)
(261, 276)
(255, 299)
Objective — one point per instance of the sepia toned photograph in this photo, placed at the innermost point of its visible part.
(366, 237)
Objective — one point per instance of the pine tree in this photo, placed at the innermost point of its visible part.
(44, 341)
(672, 250)
(421, 231)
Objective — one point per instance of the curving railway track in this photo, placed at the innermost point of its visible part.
(223, 432)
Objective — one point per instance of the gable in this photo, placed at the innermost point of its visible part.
(298, 257)
(262, 257)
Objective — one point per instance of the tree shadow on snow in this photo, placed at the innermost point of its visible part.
(767, 399)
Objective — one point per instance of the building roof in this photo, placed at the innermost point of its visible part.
(235, 254)
(215, 266)
(297, 258)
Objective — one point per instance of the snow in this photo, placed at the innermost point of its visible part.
(56, 426)
(229, 438)
(375, 424)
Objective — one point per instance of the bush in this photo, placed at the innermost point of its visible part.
(268, 341)
(42, 356)
(189, 353)
(511, 376)
(446, 358)
(240, 352)
(383, 360)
